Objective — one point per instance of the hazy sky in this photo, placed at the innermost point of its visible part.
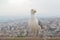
(45, 8)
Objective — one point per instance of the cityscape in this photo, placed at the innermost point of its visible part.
(17, 28)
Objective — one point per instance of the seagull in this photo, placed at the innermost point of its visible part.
(34, 23)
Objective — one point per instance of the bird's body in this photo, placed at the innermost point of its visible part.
(33, 24)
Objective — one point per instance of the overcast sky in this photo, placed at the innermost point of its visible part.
(45, 8)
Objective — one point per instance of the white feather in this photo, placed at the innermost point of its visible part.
(33, 23)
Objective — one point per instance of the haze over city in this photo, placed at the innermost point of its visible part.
(17, 18)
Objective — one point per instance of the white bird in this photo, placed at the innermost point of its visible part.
(33, 23)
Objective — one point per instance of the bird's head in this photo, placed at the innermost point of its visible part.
(33, 11)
